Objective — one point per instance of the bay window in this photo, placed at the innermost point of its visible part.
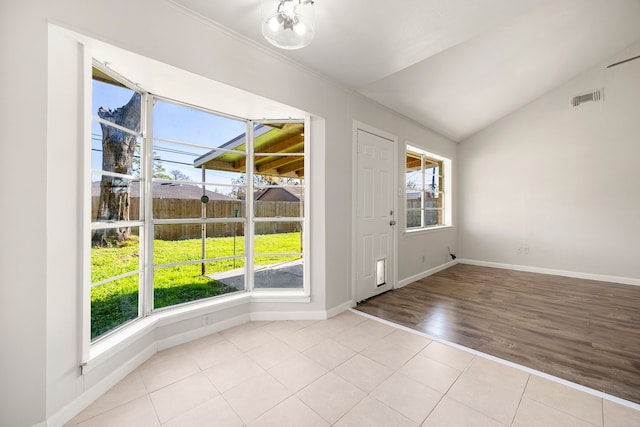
(188, 204)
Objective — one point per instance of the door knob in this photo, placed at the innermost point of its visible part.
(392, 222)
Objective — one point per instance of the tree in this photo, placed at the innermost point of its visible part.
(178, 175)
(158, 169)
(118, 148)
(239, 192)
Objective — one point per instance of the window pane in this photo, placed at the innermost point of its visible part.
(432, 217)
(278, 272)
(413, 179)
(115, 259)
(176, 161)
(279, 160)
(114, 102)
(278, 237)
(180, 123)
(184, 163)
(279, 201)
(281, 169)
(414, 214)
(114, 199)
(273, 269)
(172, 200)
(123, 158)
(183, 242)
(433, 179)
(279, 138)
(221, 152)
(183, 283)
(113, 304)
(119, 152)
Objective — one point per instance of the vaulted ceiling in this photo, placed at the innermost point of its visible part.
(455, 66)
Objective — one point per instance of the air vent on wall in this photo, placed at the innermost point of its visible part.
(595, 96)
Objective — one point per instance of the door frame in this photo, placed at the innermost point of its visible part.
(354, 203)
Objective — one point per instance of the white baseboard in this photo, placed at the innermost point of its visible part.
(90, 395)
(195, 334)
(288, 315)
(301, 315)
(340, 308)
(416, 277)
(550, 271)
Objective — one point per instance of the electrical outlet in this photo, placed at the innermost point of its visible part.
(423, 259)
(525, 250)
(207, 320)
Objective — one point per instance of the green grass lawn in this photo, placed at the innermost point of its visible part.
(116, 302)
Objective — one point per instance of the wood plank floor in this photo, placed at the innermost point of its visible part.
(584, 331)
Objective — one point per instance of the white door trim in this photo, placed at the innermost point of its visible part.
(354, 201)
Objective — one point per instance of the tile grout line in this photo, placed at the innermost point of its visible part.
(368, 394)
(524, 390)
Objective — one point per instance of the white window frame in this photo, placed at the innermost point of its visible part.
(89, 225)
(445, 190)
(304, 219)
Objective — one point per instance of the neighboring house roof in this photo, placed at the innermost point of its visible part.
(162, 190)
(279, 194)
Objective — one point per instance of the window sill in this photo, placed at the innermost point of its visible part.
(427, 230)
(112, 344)
(103, 349)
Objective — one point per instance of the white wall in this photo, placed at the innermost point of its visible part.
(41, 142)
(561, 180)
(23, 135)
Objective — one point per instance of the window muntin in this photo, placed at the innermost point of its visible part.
(426, 198)
(175, 243)
(178, 284)
(174, 200)
(114, 304)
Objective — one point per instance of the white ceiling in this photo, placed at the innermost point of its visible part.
(455, 66)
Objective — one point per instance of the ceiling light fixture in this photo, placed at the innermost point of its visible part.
(292, 24)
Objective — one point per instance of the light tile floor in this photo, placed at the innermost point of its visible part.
(350, 370)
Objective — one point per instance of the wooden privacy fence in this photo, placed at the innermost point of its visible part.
(188, 209)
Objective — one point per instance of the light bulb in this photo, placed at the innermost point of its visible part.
(273, 23)
(300, 28)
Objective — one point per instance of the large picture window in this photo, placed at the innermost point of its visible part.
(427, 193)
(188, 204)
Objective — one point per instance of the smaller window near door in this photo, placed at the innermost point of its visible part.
(427, 190)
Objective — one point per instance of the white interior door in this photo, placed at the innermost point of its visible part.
(375, 216)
